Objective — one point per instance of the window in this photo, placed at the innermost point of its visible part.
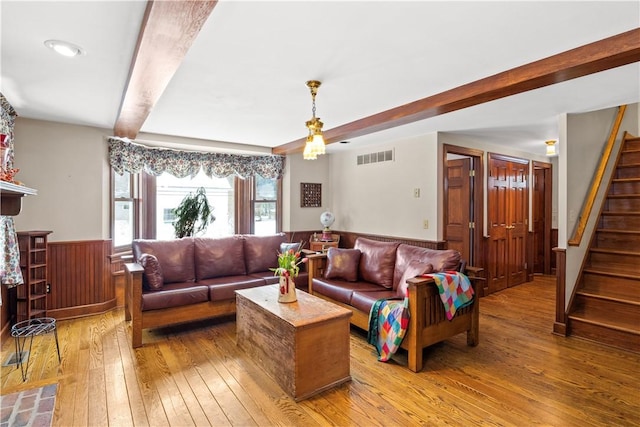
(264, 205)
(143, 205)
(171, 190)
(168, 216)
(125, 206)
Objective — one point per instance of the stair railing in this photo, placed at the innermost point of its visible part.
(587, 206)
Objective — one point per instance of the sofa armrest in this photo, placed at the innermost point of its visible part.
(315, 265)
(133, 301)
(474, 272)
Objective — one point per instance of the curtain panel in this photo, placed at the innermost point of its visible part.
(127, 156)
(10, 273)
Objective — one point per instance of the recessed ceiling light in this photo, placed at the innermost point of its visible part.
(64, 48)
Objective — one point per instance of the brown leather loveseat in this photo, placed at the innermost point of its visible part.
(182, 280)
(356, 278)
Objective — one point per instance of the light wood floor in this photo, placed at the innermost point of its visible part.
(520, 375)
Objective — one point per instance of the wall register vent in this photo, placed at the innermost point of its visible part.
(377, 157)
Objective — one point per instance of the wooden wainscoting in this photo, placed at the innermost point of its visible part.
(80, 276)
(348, 239)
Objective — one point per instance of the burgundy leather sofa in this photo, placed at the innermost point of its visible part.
(183, 280)
(356, 278)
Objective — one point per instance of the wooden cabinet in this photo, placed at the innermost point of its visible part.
(31, 297)
(321, 245)
(303, 345)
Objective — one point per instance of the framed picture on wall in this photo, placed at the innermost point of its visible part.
(310, 195)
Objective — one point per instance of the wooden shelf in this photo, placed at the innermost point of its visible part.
(12, 195)
(31, 296)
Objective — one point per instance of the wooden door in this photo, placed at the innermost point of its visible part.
(458, 204)
(541, 217)
(518, 206)
(508, 221)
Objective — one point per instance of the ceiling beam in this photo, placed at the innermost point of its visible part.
(168, 30)
(602, 55)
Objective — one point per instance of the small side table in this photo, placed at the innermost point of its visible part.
(322, 245)
(26, 330)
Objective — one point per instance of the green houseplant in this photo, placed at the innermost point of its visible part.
(193, 214)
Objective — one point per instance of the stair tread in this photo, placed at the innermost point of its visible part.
(611, 271)
(623, 196)
(614, 251)
(629, 165)
(617, 230)
(607, 320)
(623, 213)
(623, 180)
(612, 295)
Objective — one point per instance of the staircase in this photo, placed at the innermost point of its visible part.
(606, 306)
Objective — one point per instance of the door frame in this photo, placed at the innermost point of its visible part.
(477, 190)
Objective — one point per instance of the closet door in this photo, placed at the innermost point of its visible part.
(508, 210)
(458, 205)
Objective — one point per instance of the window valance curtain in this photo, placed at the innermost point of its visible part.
(127, 156)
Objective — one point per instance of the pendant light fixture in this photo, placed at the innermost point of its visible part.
(315, 144)
(551, 147)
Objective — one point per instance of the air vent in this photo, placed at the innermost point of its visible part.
(377, 157)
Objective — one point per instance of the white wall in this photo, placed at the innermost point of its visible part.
(68, 166)
(378, 198)
(298, 170)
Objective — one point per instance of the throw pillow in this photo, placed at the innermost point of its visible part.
(152, 279)
(342, 264)
(414, 269)
(285, 247)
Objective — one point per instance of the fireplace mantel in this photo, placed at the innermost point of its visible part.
(12, 195)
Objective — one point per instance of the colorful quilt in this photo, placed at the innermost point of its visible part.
(455, 290)
(388, 322)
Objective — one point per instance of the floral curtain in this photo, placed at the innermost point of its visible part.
(126, 156)
(10, 274)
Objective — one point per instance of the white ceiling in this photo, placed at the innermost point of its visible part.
(243, 80)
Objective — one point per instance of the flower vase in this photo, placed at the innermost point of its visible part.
(287, 290)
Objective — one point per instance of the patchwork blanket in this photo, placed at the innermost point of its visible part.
(455, 290)
(388, 322)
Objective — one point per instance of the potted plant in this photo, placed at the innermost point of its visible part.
(193, 214)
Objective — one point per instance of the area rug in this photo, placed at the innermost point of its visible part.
(30, 408)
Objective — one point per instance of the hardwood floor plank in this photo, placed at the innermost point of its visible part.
(119, 412)
(97, 398)
(194, 374)
(77, 390)
(177, 370)
(257, 390)
(198, 384)
(173, 403)
(129, 367)
(150, 395)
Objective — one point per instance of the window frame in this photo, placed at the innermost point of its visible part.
(136, 205)
(277, 202)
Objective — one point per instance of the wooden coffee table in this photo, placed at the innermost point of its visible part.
(303, 345)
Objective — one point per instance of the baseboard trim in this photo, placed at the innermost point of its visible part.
(560, 329)
(82, 310)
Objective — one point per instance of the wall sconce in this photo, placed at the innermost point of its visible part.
(315, 144)
(551, 147)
